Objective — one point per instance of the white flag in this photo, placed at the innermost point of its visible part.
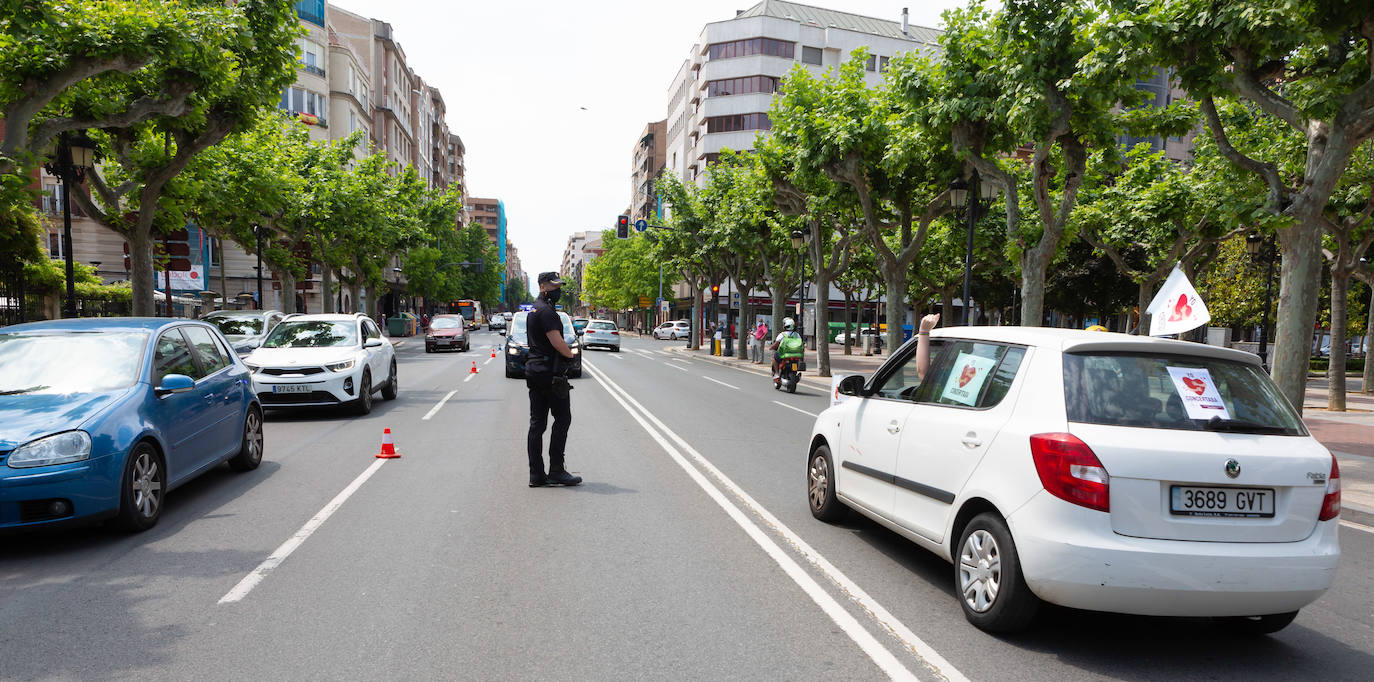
(1177, 308)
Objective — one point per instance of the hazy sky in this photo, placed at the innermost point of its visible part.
(517, 74)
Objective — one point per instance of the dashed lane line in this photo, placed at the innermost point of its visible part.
(433, 410)
(680, 369)
(779, 402)
(722, 383)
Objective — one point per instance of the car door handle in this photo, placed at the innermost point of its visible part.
(893, 427)
(209, 397)
(971, 440)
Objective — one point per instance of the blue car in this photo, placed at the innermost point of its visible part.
(100, 417)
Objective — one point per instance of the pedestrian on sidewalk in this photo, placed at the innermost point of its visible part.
(756, 347)
(547, 381)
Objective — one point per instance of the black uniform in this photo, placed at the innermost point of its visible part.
(543, 364)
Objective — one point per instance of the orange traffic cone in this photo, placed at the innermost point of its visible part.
(493, 352)
(388, 448)
(474, 367)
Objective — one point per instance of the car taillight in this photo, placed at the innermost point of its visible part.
(1331, 504)
(1070, 471)
(615, 333)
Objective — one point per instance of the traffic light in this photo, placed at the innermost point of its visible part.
(622, 227)
(715, 289)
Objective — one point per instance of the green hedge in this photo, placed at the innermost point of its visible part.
(1351, 364)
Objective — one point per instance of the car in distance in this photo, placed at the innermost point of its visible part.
(101, 417)
(518, 347)
(447, 332)
(859, 337)
(1091, 470)
(323, 361)
(497, 322)
(677, 329)
(245, 329)
(601, 333)
(580, 324)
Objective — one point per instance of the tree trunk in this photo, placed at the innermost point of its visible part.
(895, 280)
(223, 281)
(822, 321)
(355, 290)
(327, 289)
(848, 319)
(1032, 291)
(947, 306)
(694, 338)
(1335, 373)
(742, 326)
(288, 290)
(1142, 300)
(142, 274)
(778, 291)
(1368, 377)
(1299, 285)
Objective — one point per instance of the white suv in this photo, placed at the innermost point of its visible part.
(1091, 470)
(323, 360)
(679, 329)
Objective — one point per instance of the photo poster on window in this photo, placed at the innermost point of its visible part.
(1198, 392)
(967, 377)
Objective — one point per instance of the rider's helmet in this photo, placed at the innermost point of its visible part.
(788, 324)
(1097, 328)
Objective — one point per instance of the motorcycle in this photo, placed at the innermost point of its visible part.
(789, 373)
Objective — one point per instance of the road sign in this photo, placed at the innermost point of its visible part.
(644, 301)
(641, 225)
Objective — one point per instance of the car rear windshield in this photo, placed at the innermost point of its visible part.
(602, 325)
(312, 334)
(76, 362)
(1180, 392)
(446, 323)
(237, 326)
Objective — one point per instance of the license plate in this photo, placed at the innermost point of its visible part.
(444, 342)
(1245, 503)
(291, 388)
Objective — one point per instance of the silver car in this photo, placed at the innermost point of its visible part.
(245, 329)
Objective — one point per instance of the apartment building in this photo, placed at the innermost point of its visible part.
(573, 257)
(649, 159)
(491, 215)
(720, 96)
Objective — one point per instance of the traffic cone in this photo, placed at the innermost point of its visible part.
(493, 352)
(388, 448)
(474, 367)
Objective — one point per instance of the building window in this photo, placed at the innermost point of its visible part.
(742, 86)
(872, 63)
(811, 55)
(744, 48)
(882, 63)
(311, 11)
(738, 122)
(216, 258)
(54, 245)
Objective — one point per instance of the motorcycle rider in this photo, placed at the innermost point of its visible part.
(794, 349)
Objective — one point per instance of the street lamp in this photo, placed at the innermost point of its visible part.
(799, 240)
(257, 232)
(959, 191)
(68, 162)
(1254, 245)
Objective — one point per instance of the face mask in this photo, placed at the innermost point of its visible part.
(553, 295)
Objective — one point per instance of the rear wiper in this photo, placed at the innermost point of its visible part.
(23, 390)
(1219, 424)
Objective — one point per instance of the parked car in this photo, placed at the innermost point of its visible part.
(580, 324)
(859, 337)
(678, 329)
(1092, 470)
(518, 351)
(100, 417)
(447, 332)
(497, 322)
(601, 333)
(245, 329)
(324, 360)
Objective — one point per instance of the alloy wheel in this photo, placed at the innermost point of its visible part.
(819, 483)
(252, 436)
(146, 485)
(980, 570)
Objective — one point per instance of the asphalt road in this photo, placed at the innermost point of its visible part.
(688, 553)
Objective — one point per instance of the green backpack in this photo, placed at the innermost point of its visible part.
(791, 346)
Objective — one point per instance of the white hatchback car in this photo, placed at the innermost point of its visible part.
(679, 329)
(1091, 470)
(323, 360)
(602, 333)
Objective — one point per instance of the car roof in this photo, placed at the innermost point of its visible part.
(1084, 341)
(448, 315)
(240, 313)
(94, 324)
(327, 317)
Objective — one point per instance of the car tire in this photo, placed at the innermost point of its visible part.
(363, 404)
(142, 489)
(986, 558)
(576, 373)
(250, 450)
(820, 487)
(428, 349)
(1259, 625)
(392, 384)
(615, 349)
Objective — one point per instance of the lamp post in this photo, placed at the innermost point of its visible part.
(257, 232)
(1255, 243)
(69, 161)
(961, 190)
(799, 239)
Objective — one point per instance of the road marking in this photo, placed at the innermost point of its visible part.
(722, 383)
(435, 409)
(682, 369)
(1357, 526)
(879, 654)
(688, 362)
(616, 355)
(274, 560)
(469, 378)
(779, 402)
(488, 362)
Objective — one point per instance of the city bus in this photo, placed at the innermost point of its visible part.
(472, 313)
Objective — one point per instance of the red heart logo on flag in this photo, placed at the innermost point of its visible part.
(1198, 385)
(1182, 310)
(969, 372)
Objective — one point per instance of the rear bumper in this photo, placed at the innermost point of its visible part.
(1070, 556)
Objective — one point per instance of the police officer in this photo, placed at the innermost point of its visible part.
(545, 376)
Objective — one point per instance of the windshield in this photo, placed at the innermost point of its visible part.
(602, 325)
(1174, 392)
(517, 331)
(446, 323)
(237, 326)
(466, 311)
(78, 362)
(312, 334)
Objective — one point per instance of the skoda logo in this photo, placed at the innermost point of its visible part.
(1232, 468)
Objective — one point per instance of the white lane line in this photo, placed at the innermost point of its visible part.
(879, 654)
(681, 369)
(616, 356)
(779, 402)
(688, 362)
(435, 409)
(1357, 526)
(722, 383)
(470, 376)
(488, 362)
(274, 560)
(858, 595)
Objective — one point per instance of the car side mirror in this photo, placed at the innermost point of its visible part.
(852, 385)
(373, 343)
(174, 383)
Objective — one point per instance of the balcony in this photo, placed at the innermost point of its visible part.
(311, 68)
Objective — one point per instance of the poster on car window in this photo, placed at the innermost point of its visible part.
(966, 379)
(1198, 392)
